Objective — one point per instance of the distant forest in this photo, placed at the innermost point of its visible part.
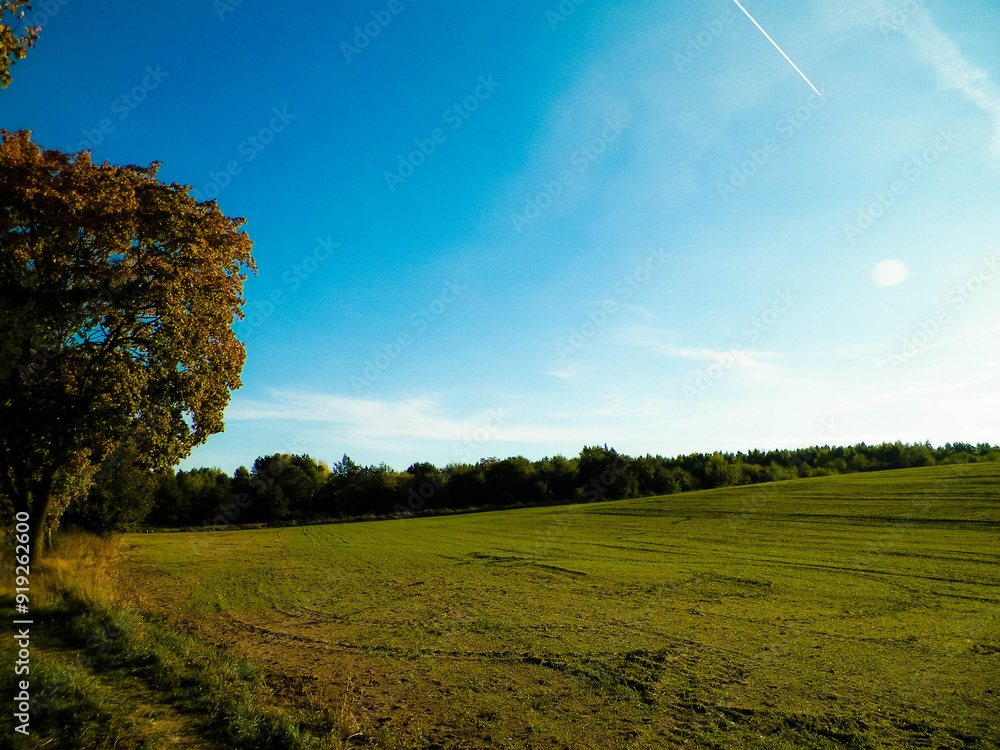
(284, 489)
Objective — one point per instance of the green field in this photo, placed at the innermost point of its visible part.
(845, 611)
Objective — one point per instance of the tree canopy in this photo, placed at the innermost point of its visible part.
(12, 46)
(117, 297)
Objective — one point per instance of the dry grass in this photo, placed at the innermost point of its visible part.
(80, 564)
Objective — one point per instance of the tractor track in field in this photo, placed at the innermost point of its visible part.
(293, 636)
(310, 670)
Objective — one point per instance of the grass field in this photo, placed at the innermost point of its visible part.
(847, 611)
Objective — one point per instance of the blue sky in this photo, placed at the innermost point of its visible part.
(519, 228)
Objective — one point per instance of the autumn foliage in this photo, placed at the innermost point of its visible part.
(14, 40)
(117, 296)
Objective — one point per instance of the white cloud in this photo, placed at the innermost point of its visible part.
(970, 340)
(371, 422)
(932, 46)
(414, 417)
(652, 338)
(569, 372)
(954, 71)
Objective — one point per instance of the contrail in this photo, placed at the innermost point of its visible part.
(777, 47)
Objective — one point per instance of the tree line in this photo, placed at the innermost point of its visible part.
(283, 488)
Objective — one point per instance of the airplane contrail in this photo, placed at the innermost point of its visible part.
(777, 47)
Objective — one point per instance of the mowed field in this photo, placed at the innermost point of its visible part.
(849, 611)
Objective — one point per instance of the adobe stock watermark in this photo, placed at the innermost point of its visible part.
(919, 341)
(914, 168)
(699, 42)
(581, 159)
(624, 288)
(122, 106)
(791, 123)
(256, 312)
(751, 333)
(418, 496)
(454, 117)
(753, 503)
(898, 17)
(249, 149)
(47, 10)
(429, 485)
(469, 445)
(562, 12)
(419, 322)
(364, 34)
(562, 522)
(223, 8)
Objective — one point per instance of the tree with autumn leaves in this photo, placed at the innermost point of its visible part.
(14, 40)
(117, 297)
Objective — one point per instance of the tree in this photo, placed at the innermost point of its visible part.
(117, 297)
(719, 471)
(121, 496)
(283, 485)
(604, 474)
(512, 480)
(917, 455)
(171, 506)
(559, 476)
(465, 487)
(207, 497)
(13, 47)
(369, 489)
(653, 477)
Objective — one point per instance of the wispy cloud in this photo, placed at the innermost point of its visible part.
(414, 417)
(933, 47)
(374, 422)
(973, 338)
(954, 70)
(893, 359)
(654, 338)
(569, 372)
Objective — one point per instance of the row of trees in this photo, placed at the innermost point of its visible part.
(283, 488)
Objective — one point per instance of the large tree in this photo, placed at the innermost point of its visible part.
(117, 297)
(14, 40)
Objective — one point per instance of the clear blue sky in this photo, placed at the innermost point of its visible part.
(503, 228)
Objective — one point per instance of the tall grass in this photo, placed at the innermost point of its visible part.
(80, 565)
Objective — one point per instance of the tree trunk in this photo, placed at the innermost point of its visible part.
(36, 522)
